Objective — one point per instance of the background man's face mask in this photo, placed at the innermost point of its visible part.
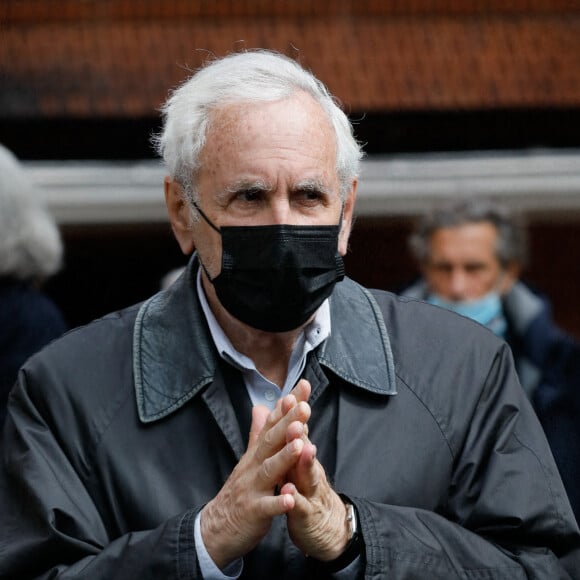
(275, 277)
(486, 310)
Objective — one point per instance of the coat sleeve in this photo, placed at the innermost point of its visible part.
(507, 516)
(51, 527)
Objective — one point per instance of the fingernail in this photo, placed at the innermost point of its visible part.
(297, 444)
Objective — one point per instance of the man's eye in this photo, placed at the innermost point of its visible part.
(476, 269)
(249, 195)
(310, 195)
(442, 268)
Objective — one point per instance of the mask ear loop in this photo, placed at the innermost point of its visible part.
(338, 258)
(210, 224)
(206, 219)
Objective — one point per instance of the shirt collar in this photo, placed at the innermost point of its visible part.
(315, 332)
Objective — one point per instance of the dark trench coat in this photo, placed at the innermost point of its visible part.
(118, 434)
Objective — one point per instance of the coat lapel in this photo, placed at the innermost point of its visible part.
(228, 402)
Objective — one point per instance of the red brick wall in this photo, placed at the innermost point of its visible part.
(119, 58)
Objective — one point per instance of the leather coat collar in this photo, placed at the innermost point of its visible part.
(174, 356)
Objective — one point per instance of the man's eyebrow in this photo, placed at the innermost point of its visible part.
(312, 184)
(245, 185)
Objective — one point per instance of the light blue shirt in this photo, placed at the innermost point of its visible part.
(261, 390)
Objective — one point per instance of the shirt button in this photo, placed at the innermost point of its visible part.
(270, 395)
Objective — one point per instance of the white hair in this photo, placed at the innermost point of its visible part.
(30, 242)
(252, 76)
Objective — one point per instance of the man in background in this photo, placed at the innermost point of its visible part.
(471, 254)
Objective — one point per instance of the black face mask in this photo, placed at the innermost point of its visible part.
(275, 277)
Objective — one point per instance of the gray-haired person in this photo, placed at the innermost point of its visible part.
(471, 253)
(30, 252)
(265, 416)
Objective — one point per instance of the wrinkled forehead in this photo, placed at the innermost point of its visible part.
(293, 127)
(298, 106)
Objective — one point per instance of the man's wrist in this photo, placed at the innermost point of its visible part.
(354, 545)
(208, 567)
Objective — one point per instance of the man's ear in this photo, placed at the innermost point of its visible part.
(179, 214)
(347, 218)
(511, 274)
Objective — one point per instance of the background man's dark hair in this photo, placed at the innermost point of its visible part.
(511, 241)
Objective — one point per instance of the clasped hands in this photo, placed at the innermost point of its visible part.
(279, 457)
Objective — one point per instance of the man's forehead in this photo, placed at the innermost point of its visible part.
(237, 112)
(480, 231)
(243, 138)
(466, 243)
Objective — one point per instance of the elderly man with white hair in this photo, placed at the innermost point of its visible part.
(265, 416)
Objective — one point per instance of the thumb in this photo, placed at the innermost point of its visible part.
(259, 416)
